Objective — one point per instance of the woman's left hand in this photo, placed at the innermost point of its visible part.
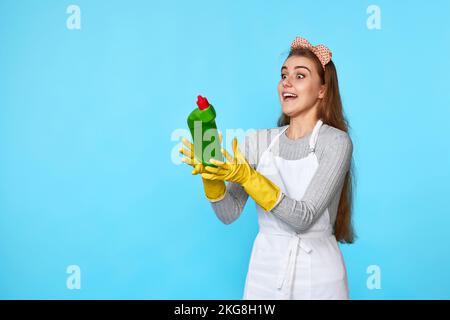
(237, 169)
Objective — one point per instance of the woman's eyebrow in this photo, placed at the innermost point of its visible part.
(296, 67)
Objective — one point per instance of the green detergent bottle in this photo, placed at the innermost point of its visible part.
(205, 137)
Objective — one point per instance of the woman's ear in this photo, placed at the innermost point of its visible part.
(322, 91)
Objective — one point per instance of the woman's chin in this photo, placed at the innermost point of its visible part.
(289, 110)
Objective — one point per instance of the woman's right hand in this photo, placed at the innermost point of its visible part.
(215, 190)
(190, 158)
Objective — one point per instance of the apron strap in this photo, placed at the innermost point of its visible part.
(276, 138)
(314, 135)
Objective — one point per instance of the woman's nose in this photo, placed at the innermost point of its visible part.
(286, 83)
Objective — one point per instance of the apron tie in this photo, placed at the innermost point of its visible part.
(289, 267)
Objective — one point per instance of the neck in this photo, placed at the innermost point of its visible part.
(301, 125)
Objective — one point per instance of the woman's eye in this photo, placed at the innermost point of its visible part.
(299, 76)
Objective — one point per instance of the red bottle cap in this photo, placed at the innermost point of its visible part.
(202, 103)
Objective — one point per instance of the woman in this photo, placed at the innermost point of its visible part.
(301, 184)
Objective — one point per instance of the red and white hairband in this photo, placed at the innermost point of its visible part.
(322, 52)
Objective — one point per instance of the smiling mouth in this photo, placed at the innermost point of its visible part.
(289, 96)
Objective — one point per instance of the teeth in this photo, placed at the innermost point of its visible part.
(289, 95)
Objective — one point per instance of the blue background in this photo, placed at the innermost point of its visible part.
(87, 122)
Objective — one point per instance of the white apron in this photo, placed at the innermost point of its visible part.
(286, 264)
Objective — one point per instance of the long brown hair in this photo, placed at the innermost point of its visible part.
(331, 112)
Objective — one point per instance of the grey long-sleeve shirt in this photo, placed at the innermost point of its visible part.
(334, 151)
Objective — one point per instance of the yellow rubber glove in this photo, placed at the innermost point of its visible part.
(214, 189)
(237, 169)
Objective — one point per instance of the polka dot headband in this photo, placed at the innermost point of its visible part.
(322, 52)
